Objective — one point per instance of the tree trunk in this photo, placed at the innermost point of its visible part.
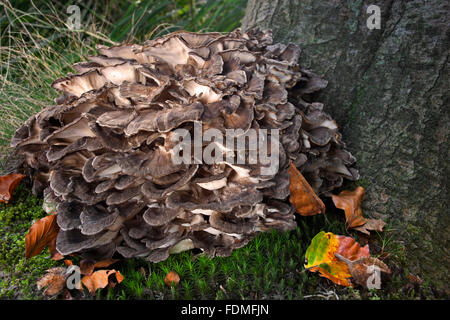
(388, 91)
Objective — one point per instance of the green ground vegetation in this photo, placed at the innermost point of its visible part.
(269, 267)
(18, 275)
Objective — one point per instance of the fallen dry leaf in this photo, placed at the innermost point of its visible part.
(68, 262)
(172, 279)
(414, 279)
(371, 224)
(350, 202)
(363, 269)
(41, 234)
(8, 184)
(320, 256)
(119, 277)
(349, 248)
(302, 196)
(87, 267)
(100, 279)
(53, 280)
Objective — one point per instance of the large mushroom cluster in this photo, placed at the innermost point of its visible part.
(104, 152)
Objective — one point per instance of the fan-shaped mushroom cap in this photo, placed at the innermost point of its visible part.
(94, 219)
(219, 221)
(158, 216)
(68, 215)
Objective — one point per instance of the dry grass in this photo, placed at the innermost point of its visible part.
(32, 57)
(37, 46)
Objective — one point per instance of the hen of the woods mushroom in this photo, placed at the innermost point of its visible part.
(103, 154)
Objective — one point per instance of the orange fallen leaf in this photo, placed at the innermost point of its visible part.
(413, 279)
(53, 280)
(349, 248)
(41, 234)
(302, 196)
(100, 279)
(119, 277)
(172, 279)
(350, 202)
(320, 256)
(68, 262)
(8, 184)
(87, 267)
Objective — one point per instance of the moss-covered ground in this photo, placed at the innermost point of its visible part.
(18, 275)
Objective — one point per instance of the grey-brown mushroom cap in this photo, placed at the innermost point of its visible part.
(105, 153)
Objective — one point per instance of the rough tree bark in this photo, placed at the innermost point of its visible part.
(388, 90)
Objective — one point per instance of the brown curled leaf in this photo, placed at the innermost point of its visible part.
(302, 196)
(365, 270)
(350, 202)
(41, 234)
(371, 224)
(8, 184)
(87, 266)
(100, 279)
(53, 281)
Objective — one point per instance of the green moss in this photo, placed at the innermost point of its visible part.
(19, 275)
(363, 182)
(268, 267)
(354, 109)
(23, 208)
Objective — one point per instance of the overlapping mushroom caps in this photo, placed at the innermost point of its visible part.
(103, 153)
